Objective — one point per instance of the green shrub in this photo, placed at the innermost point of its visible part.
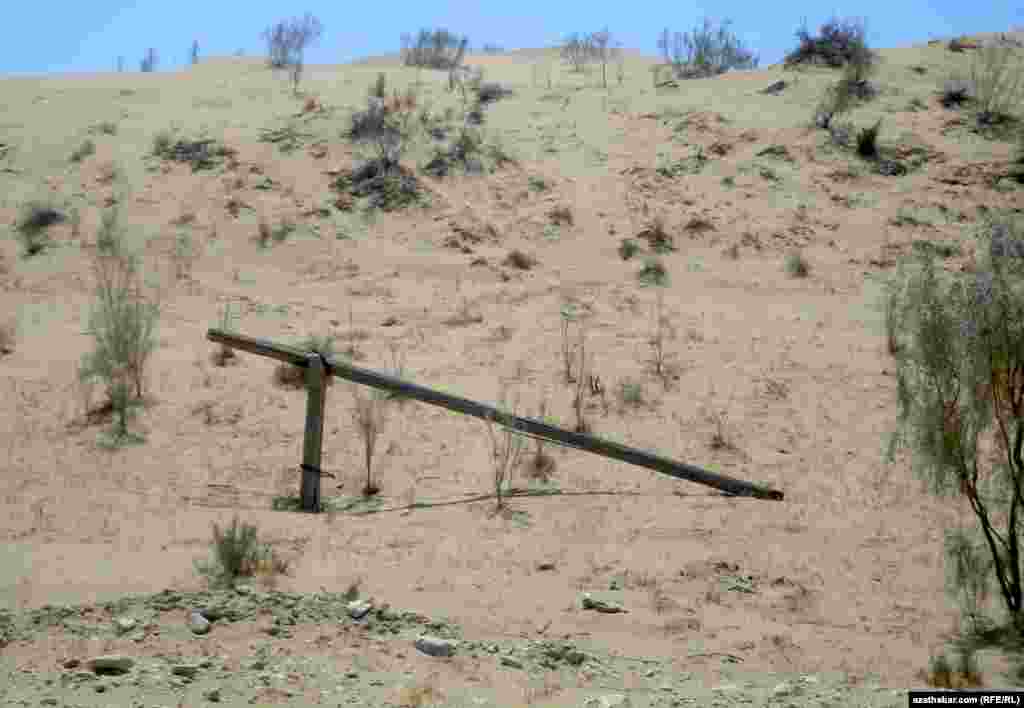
(31, 229)
(653, 272)
(867, 141)
(122, 325)
(162, 142)
(957, 374)
(277, 233)
(631, 393)
(537, 184)
(87, 148)
(795, 265)
(237, 553)
(628, 248)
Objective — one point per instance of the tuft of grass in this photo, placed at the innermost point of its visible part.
(32, 225)
(162, 143)
(419, 694)
(278, 233)
(628, 248)
(225, 355)
(106, 127)
(388, 187)
(186, 252)
(653, 272)
(867, 141)
(657, 236)
(916, 104)
(837, 100)
(238, 553)
(108, 237)
(489, 92)
(87, 148)
(631, 393)
(200, 154)
(956, 92)
(537, 184)
(288, 138)
(796, 266)
(561, 215)
(720, 439)
(941, 250)
(942, 674)
(663, 330)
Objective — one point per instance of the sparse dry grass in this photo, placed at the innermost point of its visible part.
(943, 674)
(368, 415)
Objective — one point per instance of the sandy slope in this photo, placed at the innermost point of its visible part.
(846, 573)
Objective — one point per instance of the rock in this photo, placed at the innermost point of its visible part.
(435, 646)
(775, 89)
(72, 664)
(357, 609)
(123, 625)
(198, 624)
(110, 664)
(613, 700)
(212, 695)
(590, 603)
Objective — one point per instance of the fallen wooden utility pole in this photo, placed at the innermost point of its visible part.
(319, 366)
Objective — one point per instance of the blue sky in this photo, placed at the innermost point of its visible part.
(89, 36)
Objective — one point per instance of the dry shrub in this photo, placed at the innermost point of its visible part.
(561, 215)
(520, 260)
(839, 42)
(369, 417)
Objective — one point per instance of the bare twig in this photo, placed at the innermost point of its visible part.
(506, 447)
(369, 416)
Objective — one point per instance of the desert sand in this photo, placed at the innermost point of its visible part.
(845, 576)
